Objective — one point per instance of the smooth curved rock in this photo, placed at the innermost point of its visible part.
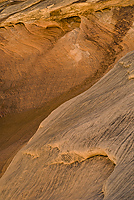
(51, 51)
(100, 121)
(42, 58)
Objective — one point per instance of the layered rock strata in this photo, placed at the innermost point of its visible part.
(65, 159)
(51, 51)
(47, 48)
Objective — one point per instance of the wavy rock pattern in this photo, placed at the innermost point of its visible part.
(62, 160)
(70, 47)
(51, 51)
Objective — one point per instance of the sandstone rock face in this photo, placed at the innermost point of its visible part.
(71, 154)
(51, 51)
(49, 47)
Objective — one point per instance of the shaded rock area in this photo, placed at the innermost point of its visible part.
(84, 148)
(51, 51)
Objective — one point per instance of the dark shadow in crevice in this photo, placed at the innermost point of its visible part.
(79, 1)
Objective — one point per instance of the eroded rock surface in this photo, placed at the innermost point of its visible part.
(51, 51)
(62, 160)
(49, 47)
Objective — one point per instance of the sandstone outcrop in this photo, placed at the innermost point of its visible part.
(51, 51)
(71, 154)
(47, 48)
